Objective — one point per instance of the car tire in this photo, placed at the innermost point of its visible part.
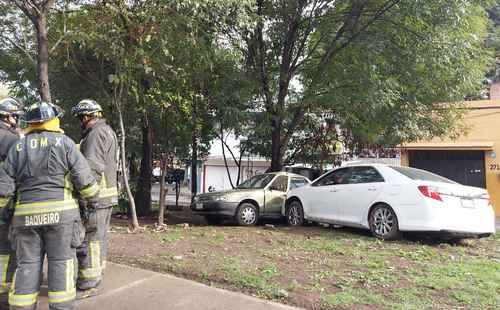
(295, 214)
(213, 220)
(384, 223)
(247, 214)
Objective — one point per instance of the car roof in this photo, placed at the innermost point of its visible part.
(364, 165)
(286, 173)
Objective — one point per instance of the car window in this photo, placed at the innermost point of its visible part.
(258, 181)
(364, 175)
(422, 175)
(339, 176)
(280, 184)
(297, 182)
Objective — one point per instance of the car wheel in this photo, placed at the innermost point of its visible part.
(384, 223)
(213, 220)
(295, 214)
(247, 214)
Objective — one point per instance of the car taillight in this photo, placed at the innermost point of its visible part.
(430, 192)
(487, 198)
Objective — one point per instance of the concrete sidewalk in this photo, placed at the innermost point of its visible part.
(127, 288)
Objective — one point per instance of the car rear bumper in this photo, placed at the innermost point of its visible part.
(223, 209)
(454, 220)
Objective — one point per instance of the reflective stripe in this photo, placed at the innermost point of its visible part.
(68, 187)
(95, 254)
(89, 191)
(70, 275)
(22, 300)
(45, 207)
(64, 296)
(4, 266)
(107, 192)
(70, 292)
(94, 271)
(89, 273)
(31, 208)
(3, 201)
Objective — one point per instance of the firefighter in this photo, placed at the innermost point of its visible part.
(100, 148)
(44, 168)
(10, 110)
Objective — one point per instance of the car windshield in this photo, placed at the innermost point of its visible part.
(421, 175)
(258, 181)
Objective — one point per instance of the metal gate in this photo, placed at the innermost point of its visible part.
(465, 167)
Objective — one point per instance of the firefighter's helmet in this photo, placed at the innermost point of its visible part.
(10, 106)
(86, 107)
(41, 112)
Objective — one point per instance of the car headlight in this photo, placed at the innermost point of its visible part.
(195, 199)
(220, 198)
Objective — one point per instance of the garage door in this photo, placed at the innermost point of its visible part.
(465, 167)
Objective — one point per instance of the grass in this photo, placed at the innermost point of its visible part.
(322, 268)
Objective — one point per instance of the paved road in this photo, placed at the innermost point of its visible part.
(127, 288)
(184, 198)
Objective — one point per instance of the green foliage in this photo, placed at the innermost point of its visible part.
(383, 68)
(392, 82)
(263, 69)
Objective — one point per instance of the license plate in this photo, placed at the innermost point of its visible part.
(467, 203)
(199, 206)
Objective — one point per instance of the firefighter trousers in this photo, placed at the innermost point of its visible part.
(92, 253)
(59, 243)
(7, 265)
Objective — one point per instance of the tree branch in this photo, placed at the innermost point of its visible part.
(20, 48)
(355, 13)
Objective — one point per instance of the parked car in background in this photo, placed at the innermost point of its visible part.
(389, 199)
(310, 173)
(261, 196)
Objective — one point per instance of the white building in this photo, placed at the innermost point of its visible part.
(214, 174)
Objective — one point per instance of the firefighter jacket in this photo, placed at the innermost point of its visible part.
(8, 136)
(43, 169)
(99, 145)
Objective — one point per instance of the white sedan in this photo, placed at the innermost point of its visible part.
(389, 199)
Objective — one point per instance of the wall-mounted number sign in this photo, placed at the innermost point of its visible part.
(495, 167)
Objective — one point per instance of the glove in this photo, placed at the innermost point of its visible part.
(6, 211)
(89, 216)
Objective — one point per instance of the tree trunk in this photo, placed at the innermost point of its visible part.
(43, 58)
(242, 150)
(194, 153)
(276, 151)
(133, 213)
(143, 191)
(194, 168)
(163, 191)
(224, 156)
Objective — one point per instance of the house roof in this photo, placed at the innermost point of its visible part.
(459, 145)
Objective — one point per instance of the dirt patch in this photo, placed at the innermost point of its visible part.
(316, 267)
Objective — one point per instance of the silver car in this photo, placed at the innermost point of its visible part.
(261, 196)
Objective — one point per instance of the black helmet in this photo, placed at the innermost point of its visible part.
(10, 106)
(86, 107)
(41, 112)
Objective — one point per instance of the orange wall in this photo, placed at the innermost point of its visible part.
(483, 125)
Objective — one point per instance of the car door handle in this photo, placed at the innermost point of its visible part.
(372, 189)
(334, 190)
